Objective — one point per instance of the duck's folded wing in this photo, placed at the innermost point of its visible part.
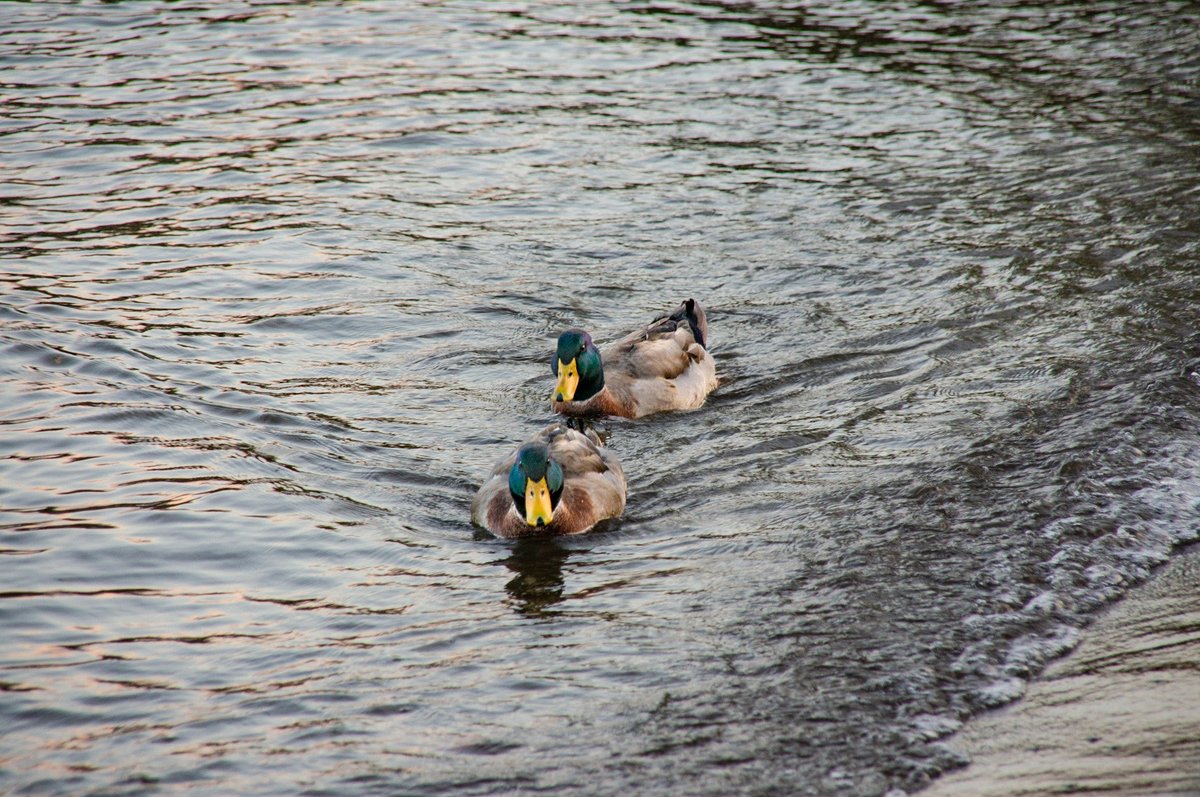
(592, 470)
(576, 452)
(662, 355)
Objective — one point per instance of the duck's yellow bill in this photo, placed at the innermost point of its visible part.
(538, 511)
(568, 381)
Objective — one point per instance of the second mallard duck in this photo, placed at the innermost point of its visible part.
(560, 481)
(663, 366)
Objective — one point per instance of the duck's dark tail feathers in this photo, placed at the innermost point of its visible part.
(694, 313)
(688, 311)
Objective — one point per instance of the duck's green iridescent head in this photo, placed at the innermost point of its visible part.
(536, 483)
(578, 367)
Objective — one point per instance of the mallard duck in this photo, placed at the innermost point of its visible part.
(560, 481)
(663, 366)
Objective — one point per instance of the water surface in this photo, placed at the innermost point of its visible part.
(281, 282)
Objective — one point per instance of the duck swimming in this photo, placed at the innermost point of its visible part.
(663, 366)
(560, 481)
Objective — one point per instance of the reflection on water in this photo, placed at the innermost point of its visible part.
(280, 283)
(537, 583)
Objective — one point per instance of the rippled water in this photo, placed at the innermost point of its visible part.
(281, 282)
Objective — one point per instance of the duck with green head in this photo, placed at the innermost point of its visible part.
(560, 481)
(662, 366)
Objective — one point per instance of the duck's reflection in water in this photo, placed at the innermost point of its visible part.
(538, 583)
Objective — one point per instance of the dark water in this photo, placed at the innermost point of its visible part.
(280, 283)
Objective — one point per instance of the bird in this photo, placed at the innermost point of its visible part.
(559, 481)
(662, 366)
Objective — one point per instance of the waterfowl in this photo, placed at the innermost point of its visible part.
(662, 366)
(560, 481)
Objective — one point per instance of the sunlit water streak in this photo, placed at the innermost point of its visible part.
(281, 282)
